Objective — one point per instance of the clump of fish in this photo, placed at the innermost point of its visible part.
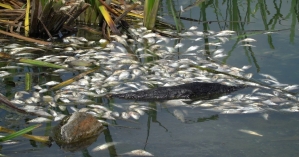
(142, 63)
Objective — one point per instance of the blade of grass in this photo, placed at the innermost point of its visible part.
(40, 63)
(150, 13)
(28, 81)
(43, 139)
(32, 62)
(69, 81)
(6, 6)
(18, 133)
(26, 23)
(173, 12)
(108, 19)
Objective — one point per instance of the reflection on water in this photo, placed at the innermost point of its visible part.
(187, 131)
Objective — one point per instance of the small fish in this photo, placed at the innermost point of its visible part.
(99, 107)
(124, 75)
(20, 94)
(120, 39)
(115, 114)
(61, 107)
(205, 105)
(10, 67)
(192, 48)
(51, 83)
(248, 40)
(250, 132)
(179, 115)
(248, 76)
(219, 51)
(139, 111)
(59, 117)
(39, 120)
(16, 101)
(134, 115)
(74, 109)
(248, 45)
(192, 28)
(65, 100)
(138, 152)
(265, 94)
(269, 102)
(104, 146)
(254, 90)
(4, 73)
(291, 87)
(149, 35)
(265, 116)
(219, 56)
(269, 77)
(245, 67)
(125, 115)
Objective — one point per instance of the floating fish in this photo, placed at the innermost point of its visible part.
(39, 120)
(104, 146)
(138, 152)
(250, 132)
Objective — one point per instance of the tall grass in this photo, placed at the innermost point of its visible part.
(150, 13)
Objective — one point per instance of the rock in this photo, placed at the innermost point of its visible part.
(77, 131)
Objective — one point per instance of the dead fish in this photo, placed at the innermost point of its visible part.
(179, 115)
(138, 152)
(192, 48)
(10, 67)
(248, 76)
(248, 45)
(99, 107)
(248, 40)
(245, 67)
(250, 132)
(16, 101)
(291, 87)
(124, 75)
(269, 102)
(219, 56)
(269, 77)
(104, 146)
(4, 73)
(265, 116)
(134, 115)
(265, 94)
(59, 117)
(178, 45)
(139, 111)
(115, 114)
(125, 115)
(192, 28)
(51, 83)
(20, 94)
(149, 35)
(119, 39)
(39, 120)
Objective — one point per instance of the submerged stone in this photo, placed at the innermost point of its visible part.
(77, 131)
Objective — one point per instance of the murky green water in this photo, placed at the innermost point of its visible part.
(202, 133)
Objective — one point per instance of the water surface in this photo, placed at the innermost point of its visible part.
(201, 133)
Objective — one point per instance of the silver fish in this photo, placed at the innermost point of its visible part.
(104, 146)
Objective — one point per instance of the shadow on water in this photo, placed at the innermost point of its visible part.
(159, 131)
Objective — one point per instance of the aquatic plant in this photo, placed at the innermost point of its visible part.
(150, 13)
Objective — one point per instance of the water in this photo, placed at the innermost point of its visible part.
(202, 133)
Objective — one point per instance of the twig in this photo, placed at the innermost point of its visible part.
(25, 38)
